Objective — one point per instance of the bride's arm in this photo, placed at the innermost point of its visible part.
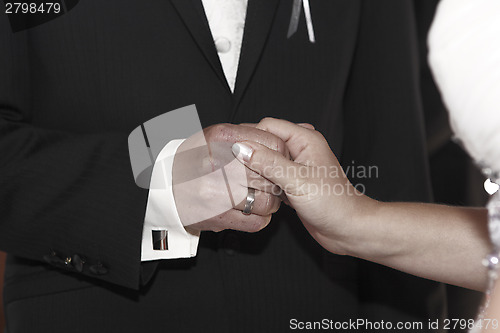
(437, 242)
(433, 241)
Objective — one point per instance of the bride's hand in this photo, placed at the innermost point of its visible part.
(313, 181)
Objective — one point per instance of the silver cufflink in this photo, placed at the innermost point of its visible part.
(160, 240)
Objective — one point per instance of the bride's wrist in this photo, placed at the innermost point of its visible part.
(359, 238)
(343, 233)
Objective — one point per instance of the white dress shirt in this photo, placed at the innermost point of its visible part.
(227, 21)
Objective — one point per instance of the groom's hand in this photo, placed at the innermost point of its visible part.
(210, 187)
(313, 181)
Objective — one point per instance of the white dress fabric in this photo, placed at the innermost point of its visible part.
(464, 54)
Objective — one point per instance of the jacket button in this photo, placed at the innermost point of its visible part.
(53, 259)
(77, 262)
(47, 259)
(98, 269)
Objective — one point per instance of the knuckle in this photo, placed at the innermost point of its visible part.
(281, 146)
(220, 222)
(302, 185)
(265, 121)
(276, 190)
(217, 228)
(274, 162)
(273, 204)
(208, 132)
(267, 202)
(214, 224)
(258, 224)
(220, 132)
(319, 136)
(265, 221)
(276, 203)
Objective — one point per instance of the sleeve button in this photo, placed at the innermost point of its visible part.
(98, 269)
(78, 263)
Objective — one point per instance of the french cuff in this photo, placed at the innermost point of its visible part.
(163, 235)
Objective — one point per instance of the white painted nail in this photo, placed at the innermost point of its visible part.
(242, 151)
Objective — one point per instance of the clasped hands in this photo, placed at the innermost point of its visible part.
(282, 161)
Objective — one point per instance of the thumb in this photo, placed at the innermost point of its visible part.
(271, 164)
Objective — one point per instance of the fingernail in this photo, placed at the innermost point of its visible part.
(242, 151)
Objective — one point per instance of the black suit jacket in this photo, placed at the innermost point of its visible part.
(72, 89)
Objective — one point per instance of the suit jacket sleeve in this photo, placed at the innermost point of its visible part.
(64, 194)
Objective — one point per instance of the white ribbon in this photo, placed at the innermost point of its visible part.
(294, 20)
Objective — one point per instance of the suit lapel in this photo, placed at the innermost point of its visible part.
(259, 19)
(193, 15)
